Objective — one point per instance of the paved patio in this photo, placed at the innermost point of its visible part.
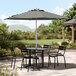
(58, 71)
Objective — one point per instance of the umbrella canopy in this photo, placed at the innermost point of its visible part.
(70, 22)
(36, 14)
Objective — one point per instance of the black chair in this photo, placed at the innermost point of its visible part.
(13, 58)
(52, 55)
(25, 55)
(47, 46)
(61, 52)
(36, 61)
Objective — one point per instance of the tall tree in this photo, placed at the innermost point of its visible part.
(44, 29)
(3, 28)
(71, 12)
(56, 26)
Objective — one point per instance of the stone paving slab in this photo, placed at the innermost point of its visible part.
(60, 70)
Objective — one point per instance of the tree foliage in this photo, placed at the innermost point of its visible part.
(71, 12)
(3, 28)
(17, 32)
(43, 29)
(55, 27)
(3, 31)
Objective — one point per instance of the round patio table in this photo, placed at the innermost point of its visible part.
(38, 49)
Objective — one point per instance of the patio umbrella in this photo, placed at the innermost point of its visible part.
(36, 14)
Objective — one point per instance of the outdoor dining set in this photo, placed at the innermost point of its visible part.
(37, 14)
(32, 56)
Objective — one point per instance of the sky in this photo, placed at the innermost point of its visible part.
(12, 7)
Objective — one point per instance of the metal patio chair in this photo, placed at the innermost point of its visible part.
(27, 57)
(61, 52)
(13, 58)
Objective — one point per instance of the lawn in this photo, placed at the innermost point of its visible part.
(42, 41)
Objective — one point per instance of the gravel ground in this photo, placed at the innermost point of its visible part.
(60, 70)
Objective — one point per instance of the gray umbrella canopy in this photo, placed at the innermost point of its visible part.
(36, 14)
(73, 22)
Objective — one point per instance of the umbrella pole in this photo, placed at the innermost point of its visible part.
(36, 33)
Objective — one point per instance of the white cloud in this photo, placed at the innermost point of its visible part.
(3, 17)
(28, 23)
(70, 5)
(59, 10)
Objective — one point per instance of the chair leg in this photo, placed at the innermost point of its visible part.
(27, 66)
(64, 61)
(54, 61)
(49, 61)
(26, 62)
(36, 62)
(28, 69)
(11, 61)
(14, 62)
(57, 61)
(33, 64)
(38, 65)
(22, 63)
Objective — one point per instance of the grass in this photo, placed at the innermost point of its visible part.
(42, 41)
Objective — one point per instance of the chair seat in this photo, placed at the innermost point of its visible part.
(53, 55)
(27, 56)
(39, 54)
(35, 57)
(60, 54)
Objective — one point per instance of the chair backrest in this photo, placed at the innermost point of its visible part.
(46, 46)
(24, 51)
(12, 50)
(62, 49)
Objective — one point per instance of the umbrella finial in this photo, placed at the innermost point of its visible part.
(36, 9)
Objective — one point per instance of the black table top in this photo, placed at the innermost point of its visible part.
(37, 48)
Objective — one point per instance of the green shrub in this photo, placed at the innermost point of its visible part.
(8, 52)
(40, 36)
(14, 36)
(58, 36)
(6, 72)
(5, 44)
(17, 51)
(19, 44)
(55, 45)
(33, 45)
(51, 36)
(73, 45)
(3, 52)
(29, 35)
(69, 46)
(64, 43)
